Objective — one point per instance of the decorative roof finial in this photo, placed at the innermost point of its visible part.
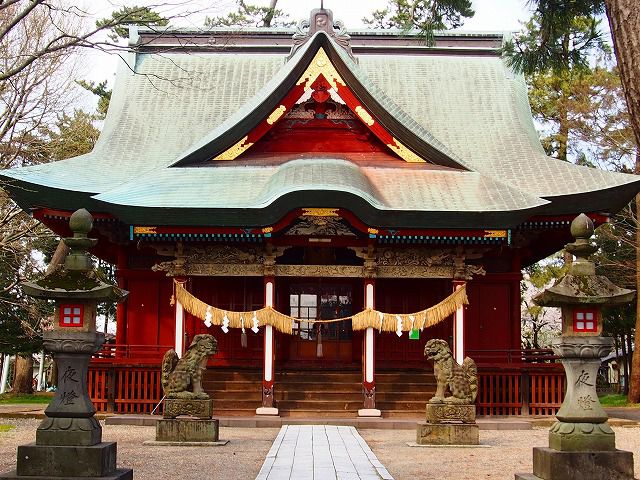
(321, 19)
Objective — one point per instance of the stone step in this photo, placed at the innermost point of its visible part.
(314, 413)
(254, 394)
(236, 404)
(318, 395)
(334, 405)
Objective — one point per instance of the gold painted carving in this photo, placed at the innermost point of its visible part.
(235, 151)
(404, 153)
(142, 230)
(425, 257)
(364, 115)
(320, 65)
(276, 114)
(319, 271)
(320, 212)
(313, 225)
(495, 234)
(267, 230)
(434, 271)
(338, 271)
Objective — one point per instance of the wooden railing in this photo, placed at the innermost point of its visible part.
(115, 353)
(520, 390)
(125, 388)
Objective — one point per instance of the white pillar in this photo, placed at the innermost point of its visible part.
(458, 327)
(40, 386)
(5, 372)
(179, 346)
(369, 380)
(268, 407)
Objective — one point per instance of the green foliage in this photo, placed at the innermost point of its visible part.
(117, 23)
(561, 35)
(248, 15)
(74, 135)
(426, 15)
(99, 89)
(583, 116)
(6, 428)
(616, 400)
(21, 398)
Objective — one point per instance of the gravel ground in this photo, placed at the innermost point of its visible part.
(241, 459)
(509, 452)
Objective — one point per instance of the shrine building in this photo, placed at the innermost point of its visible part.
(323, 202)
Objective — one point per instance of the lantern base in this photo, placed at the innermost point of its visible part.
(549, 464)
(119, 474)
(69, 462)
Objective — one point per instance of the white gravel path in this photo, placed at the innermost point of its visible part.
(242, 458)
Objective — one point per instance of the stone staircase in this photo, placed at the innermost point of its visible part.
(319, 393)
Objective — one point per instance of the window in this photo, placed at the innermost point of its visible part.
(585, 321)
(71, 315)
(313, 302)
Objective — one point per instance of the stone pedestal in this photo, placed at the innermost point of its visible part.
(449, 424)
(450, 413)
(187, 430)
(174, 407)
(549, 464)
(447, 434)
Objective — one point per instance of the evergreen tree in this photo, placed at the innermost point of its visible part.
(119, 21)
(248, 15)
(425, 15)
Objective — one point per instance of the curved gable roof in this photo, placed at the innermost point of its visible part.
(400, 125)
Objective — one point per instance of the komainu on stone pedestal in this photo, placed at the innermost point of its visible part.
(460, 380)
(182, 385)
(182, 377)
(451, 420)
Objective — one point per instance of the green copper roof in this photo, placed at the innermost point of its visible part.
(182, 108)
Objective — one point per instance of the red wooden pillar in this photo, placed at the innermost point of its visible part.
(269, 355)
(368, 358)
(121, 307)
(458, 327)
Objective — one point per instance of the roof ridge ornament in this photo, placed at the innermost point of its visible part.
(321, 19)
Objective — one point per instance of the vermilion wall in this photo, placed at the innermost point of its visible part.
(492, 318)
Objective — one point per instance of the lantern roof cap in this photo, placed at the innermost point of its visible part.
(77, 279)
(580, 285)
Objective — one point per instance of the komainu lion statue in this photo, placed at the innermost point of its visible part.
(182, 377)
(460, 380)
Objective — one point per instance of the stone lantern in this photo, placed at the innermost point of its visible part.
(581, 442)
(69, 440)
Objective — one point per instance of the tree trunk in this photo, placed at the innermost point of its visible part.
(23, 381)
(630, 351)
(624, 21)
(269, 16)
(625, 365)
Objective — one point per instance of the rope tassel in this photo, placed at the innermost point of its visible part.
(243, 335)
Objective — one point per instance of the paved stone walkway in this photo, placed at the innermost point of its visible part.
(321, 452)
